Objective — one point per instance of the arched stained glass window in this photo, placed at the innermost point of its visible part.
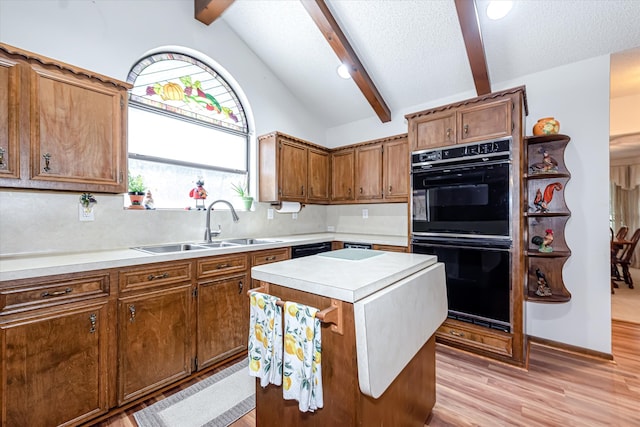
(186, 125)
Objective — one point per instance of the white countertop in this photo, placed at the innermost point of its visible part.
(39, 265)
(343, 279)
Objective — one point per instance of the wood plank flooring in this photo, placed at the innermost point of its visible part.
(559, 388)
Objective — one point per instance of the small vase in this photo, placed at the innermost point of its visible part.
(546, 126)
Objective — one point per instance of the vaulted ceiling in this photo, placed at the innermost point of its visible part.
(415, 51)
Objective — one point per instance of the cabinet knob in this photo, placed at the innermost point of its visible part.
(47, 159)
(360, 190)
(349, 191)
(302, 190)
(390, 189)
(132, 313)
(449, 133)
(240, 286)
(466, 129)
(2, 165)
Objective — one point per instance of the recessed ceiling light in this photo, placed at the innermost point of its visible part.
(343, 71)
(498, 9)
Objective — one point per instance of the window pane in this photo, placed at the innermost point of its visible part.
(157, 135)
(171, 184)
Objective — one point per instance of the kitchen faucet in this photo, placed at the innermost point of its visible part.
(207, 230)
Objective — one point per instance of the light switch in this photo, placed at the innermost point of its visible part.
(365, 213)
(269, 213)
(85, 214)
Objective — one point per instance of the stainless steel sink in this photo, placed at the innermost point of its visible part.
(250, 241)
(182, 247)
(163, 249)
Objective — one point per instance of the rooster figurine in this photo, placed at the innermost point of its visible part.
(541, 201)
(543, 287)
(544, 243)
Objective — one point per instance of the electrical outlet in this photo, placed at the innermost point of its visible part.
(365, 213)
(85, 214)
(294, 215)
(269, 213)
(331, 228)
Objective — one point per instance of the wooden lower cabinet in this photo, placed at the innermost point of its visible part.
(154, 341)
(223, 318)
(478, 338)
(54, 366)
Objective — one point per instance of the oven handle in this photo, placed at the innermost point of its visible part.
(459, 246)
(438, 167)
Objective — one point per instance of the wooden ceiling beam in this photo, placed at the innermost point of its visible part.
(470, 26)
(321, 15)
(207, 11)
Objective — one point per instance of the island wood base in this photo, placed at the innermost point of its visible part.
(407, 402)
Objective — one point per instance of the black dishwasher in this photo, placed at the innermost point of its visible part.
(310, 249)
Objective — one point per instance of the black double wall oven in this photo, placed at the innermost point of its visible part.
(461, 212)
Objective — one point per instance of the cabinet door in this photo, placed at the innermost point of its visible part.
(76, 132)
(342, 175)
(154, 340)
(318, 179)
(223, 318)
(433, 130)
(485, 121)
(293, 171)
(369, 172)
(54, 367)
(396, 170)
(10, 85)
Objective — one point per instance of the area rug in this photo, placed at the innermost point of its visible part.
(216, 401)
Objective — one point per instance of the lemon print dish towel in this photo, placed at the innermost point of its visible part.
(302, 376)
(265, 339)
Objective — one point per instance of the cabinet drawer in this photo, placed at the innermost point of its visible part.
(476, 337)
(390, 248)
(157, 274)
(268, 256)
(216, 266)
(38, 294)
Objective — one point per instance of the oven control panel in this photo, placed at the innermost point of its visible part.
(488, 149)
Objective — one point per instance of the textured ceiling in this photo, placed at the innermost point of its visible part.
(414, 51)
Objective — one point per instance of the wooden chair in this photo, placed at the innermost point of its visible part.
(623, 259)
(622, 232)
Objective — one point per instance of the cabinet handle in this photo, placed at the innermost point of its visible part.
(132, 313)
(302, 190)
(456, 333)
(349, 191)
(466, 129)
(360, 190)
(2, 165)
(390, 188)
(56, 294)
(448, 133)
(47, 159)
(159, 276)
(270, 258)
(219, 266)
(93, 319)
(240, 286)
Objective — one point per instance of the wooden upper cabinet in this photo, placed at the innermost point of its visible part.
(435, 130)
(293, 175)
(291, 169)
(318, 176)
(396, 170)
(72, 128)
(10, 86)
(479, 119)
(369, 172)
(342, 175)
(485, 121)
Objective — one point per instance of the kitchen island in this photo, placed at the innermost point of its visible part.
(378, 347)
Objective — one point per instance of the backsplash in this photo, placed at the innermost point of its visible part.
(34, 222)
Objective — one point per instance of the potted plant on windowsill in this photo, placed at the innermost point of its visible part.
(136, 191)
(243, 193)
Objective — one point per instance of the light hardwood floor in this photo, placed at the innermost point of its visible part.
(560, 388)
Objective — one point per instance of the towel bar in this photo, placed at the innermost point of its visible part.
(331, 314)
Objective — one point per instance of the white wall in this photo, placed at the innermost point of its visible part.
(578, 96)
(625, 115)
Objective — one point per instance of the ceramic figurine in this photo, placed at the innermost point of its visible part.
(546, 126)
(541, 201)
(544, 243)
(547, 165)
(199, 194)
(543, 287)
(148, 201)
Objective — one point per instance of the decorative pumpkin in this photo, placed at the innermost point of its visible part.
(546, 126)
(172, 92)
